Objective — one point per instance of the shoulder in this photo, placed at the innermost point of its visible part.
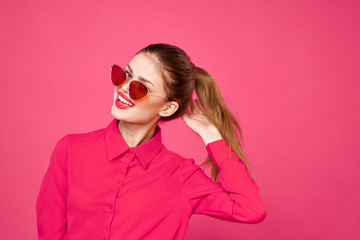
(176, 157)
(182, 163)
(193, 180)
(185, 166)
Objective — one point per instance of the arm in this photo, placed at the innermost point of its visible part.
(236, 196)
(51, 200)
(242, 191)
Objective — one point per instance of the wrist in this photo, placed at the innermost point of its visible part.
(211, 136)
(211, 139)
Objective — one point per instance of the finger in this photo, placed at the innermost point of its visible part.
(195, 107)
(187, 111)
(191, 105)
(198, 107)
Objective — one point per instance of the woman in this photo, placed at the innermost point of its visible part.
(120, 182)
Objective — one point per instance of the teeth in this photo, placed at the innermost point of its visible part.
(126, 102)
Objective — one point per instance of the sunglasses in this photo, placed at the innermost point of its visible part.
(137, 90)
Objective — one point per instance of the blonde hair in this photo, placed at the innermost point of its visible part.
(218, 113)
(181, 78)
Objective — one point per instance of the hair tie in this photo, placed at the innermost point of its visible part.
(193, 67)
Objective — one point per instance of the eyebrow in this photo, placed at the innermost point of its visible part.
(140, 78)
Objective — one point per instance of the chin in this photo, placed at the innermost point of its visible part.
(118, 115)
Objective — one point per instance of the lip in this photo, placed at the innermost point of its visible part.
(126, 98)
(119, 104)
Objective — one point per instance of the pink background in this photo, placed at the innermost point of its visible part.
(288, 69)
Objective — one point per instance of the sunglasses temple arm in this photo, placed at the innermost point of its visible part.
(158, 96)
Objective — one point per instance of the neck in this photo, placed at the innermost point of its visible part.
(136, 134)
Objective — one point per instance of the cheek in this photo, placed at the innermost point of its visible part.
(148, 106)
(115, 95)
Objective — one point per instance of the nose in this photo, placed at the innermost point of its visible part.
(125, 86)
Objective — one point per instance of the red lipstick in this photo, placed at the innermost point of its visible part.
(120, 104)
(126, 98)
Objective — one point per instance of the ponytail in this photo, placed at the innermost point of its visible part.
(179, 75)
(219, 114)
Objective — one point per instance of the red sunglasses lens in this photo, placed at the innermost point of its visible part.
(137, 90)
(118, 76)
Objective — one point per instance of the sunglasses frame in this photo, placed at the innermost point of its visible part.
(133, 80)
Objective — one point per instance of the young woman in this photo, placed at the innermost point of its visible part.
(120, 182)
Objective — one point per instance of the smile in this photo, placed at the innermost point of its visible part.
(125, 101)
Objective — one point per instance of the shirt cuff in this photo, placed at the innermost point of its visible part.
(220, 151)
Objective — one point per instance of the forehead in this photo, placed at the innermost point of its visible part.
(145, 66)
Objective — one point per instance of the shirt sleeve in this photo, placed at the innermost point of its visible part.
(234, 198)
(51, 200)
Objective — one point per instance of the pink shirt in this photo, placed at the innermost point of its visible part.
(96, 187)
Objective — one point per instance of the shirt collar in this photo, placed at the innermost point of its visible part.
(116, 145)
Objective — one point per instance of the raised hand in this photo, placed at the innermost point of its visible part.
(198, 122)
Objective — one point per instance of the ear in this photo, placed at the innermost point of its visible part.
(169, 109)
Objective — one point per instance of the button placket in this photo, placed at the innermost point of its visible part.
(129, 156)
(111, 201)
(110, 205)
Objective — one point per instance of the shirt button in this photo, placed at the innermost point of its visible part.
(129, 153)
(103, 238)
(110, 206)
(118, 181)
